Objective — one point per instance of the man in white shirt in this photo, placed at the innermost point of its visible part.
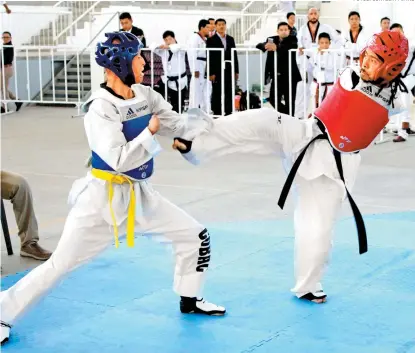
(174, 67)
(200, 86)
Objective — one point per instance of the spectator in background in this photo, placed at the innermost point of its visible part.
(174, 67)
(200, 86)
(280, 45)
(126, 23)
(408, 74)
(222, 40)
(212, 27)
(385, 23)
(307, 39)
(6, 69)
(8, 11)
(354, 40)
(16, 189)
(291, 23)
(325, 64)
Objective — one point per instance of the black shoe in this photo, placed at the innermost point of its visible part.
(410, 132)
(3, 110)
(4, 332)
(18, 106)
(200, 306)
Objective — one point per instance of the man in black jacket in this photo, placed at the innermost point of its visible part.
(281, 45)
(291, 24)
(221, 40)
(126, 23)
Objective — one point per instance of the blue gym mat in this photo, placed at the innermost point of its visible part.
(123, 301)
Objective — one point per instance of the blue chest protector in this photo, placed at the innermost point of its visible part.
(131, 129)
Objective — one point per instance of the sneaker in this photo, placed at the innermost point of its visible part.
(410, 132)
(399, 139)
(18, 106)
(200, 306)
(5, 332)
(35, 251)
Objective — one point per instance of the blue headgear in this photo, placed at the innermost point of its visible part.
(118, 57)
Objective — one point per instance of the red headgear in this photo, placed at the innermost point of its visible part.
(392, 48)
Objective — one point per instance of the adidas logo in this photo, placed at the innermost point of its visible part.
(130, 114)
(367, 89)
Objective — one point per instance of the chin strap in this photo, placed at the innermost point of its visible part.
(129, 80)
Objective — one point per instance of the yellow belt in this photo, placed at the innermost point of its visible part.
(119, 179)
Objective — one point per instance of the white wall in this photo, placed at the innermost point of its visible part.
(155, 22)
(26, 21)
(371, 12)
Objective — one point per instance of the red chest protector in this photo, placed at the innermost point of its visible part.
(352, 119)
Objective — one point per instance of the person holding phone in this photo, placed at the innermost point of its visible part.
(281, 45)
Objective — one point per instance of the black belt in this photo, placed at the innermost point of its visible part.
(349, 57)
(360, 224)
(176, 79)
(324, 83)
(201, 59)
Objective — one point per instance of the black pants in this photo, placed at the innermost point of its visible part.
(172, 96)
(217, 94)
(284, 91)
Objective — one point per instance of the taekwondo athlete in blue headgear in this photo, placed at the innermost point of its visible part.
(121, 121)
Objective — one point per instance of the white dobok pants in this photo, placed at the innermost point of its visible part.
(319, 189)
(407, 98)
(88, 232)
(200, 92)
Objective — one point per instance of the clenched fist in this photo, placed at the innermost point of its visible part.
(154, 124)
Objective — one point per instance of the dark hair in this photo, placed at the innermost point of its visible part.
(290, 14)
(324, 35)
(396, 25)
(282, 24)
(203, 24)
(168, 34)
(354, 13)
(7, 32)
(125, 15)
(211, 19)
(220, 20)
(385, 18)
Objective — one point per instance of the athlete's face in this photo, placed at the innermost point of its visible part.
(371, 63)
(138, 68)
